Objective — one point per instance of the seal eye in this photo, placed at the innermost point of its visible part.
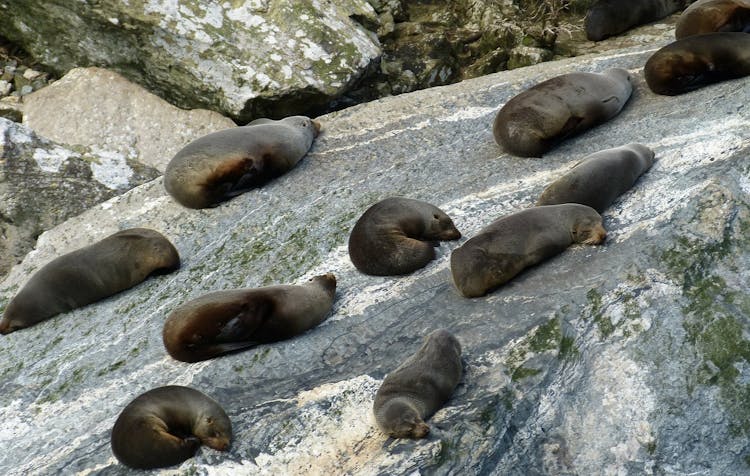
(436, 217)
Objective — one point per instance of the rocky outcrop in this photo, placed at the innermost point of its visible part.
(102, 109)
(43, 183)
(628, 358)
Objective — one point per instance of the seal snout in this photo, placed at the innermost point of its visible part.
(217, 443)
(316, 127)
(420, 430)
(598, 235)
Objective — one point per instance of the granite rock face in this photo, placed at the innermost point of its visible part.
(43, 183)
(244, 59)
(628, 358)
(102, 109)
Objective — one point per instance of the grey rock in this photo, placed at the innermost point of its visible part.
(629, 358)
(99, 108)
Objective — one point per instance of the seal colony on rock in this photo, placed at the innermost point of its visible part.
(224, 164)
(228, 321)
(708, 16)
(87, 275)
(519, 240)
(398, 235)
(419, 387)
(697, 61)
(611, 17)
(166, 425)
(600, 178)
(537, 119)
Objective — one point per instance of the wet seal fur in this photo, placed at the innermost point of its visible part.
(224, 164)
(166, 425)
(696, 61)
(118, 262)
(708, 16)
(419, 387)
(537, 119)
(519, 240)
(611, 17)
(600, 178)
(397, 236)
(228, 321)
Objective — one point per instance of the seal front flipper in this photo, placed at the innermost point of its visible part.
(240, 327)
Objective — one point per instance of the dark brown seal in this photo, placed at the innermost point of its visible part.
(227, 321)
(519, 240)
(708, 16)
(90, 274)
(166, 425)
(539, 118)
(419, 387)
(611, 17)
(600, 178)
(696, 61)
(224, 164)
(398, 235)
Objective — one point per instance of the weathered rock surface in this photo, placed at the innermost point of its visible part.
(43, 183)
(630, 358)
(244, 59)
(100, 108)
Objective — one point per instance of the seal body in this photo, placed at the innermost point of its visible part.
(224, 164)
(90, 274)
(600, 178)
(519, 240)
(611, 17)
(696, 61)
(227, 321)
(166, 425)
(419, 387)
(539, 118)
(397, 236)
(708, 16)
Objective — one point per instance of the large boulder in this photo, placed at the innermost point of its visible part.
(244, 59)
(628, 358)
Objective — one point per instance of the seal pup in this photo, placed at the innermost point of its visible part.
(708, 16)
(611, 17)
(419, 387)
(600, 178)
(696, 61)
(228, 321)
(519, 240)
(166, 425)
(224, 164)
(539, 118)
(118, 262)
(398, 235)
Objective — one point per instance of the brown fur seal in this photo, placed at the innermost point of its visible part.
(396, 236)
(534, 121)
(224, 164)
(90, 274)
(419, 387)
(611, 17)
(519, 240)
(708, 16)
(696, 61)
(166, 425)
(600, 178)
(227, 321)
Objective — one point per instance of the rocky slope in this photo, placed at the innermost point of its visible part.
(629, 358)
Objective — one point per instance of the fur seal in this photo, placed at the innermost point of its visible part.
(227, 321)
(539, 118)
(708, 16)
(224, 164)
(696, 61)
(519, 240)
(600, 178)
(611, 17)
(396, 236)
(419, 387)
(87, 275)
(166, 425)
